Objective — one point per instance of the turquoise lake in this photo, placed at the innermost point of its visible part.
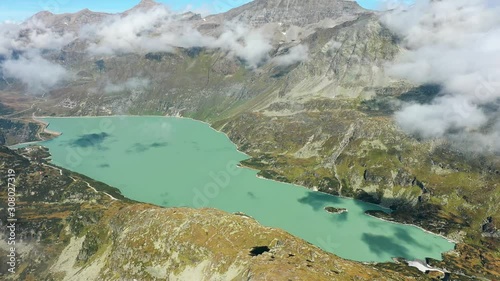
(176, 162)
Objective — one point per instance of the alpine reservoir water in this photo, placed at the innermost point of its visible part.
(176, 162)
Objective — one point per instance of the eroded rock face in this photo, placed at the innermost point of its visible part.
(489, 228)
(403, 178)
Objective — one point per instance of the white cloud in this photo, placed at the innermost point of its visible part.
(9, 32)
(32, 35)
(295, 54)
(34, 71)
(454, 43)
(444, 114)
(131, 84)
(27, 40)
(251, 45)
(41, 37)
(129, 33)
(152, 30)
(159, 30)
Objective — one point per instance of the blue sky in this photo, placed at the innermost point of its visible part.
(18, 10)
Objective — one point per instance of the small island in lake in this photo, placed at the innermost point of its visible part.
(334, 210)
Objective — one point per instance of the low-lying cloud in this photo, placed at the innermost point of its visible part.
(454, 43)
(134, 32)
(8, 33)
(21, 46)
(131, 84)
(251, 45)
(295, 54)
(37, 73)
(43, 38)
(29, 36)
(158, 29)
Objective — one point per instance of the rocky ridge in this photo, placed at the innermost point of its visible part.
(290, 12)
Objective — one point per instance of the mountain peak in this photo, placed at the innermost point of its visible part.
(147, 4)
(68, 21)
(144, 5)
(84, 11)
(41, 15)
(293, 12)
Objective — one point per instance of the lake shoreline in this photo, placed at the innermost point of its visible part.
(210, 126)
(421, 228)
(40, 120)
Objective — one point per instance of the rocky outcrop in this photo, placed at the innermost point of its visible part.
(334, 210)
(489, 228)
(404, 178)
(369, 176)
(89, 247)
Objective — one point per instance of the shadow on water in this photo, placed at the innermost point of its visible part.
(374, 224)
(251, 195)
(90, 140)
(196, 145)
(139, 147)
(403, 234)
(379, 245)
(158, 144)
(164, 197)
(365, 206)
(317, 200)
(339, 219)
